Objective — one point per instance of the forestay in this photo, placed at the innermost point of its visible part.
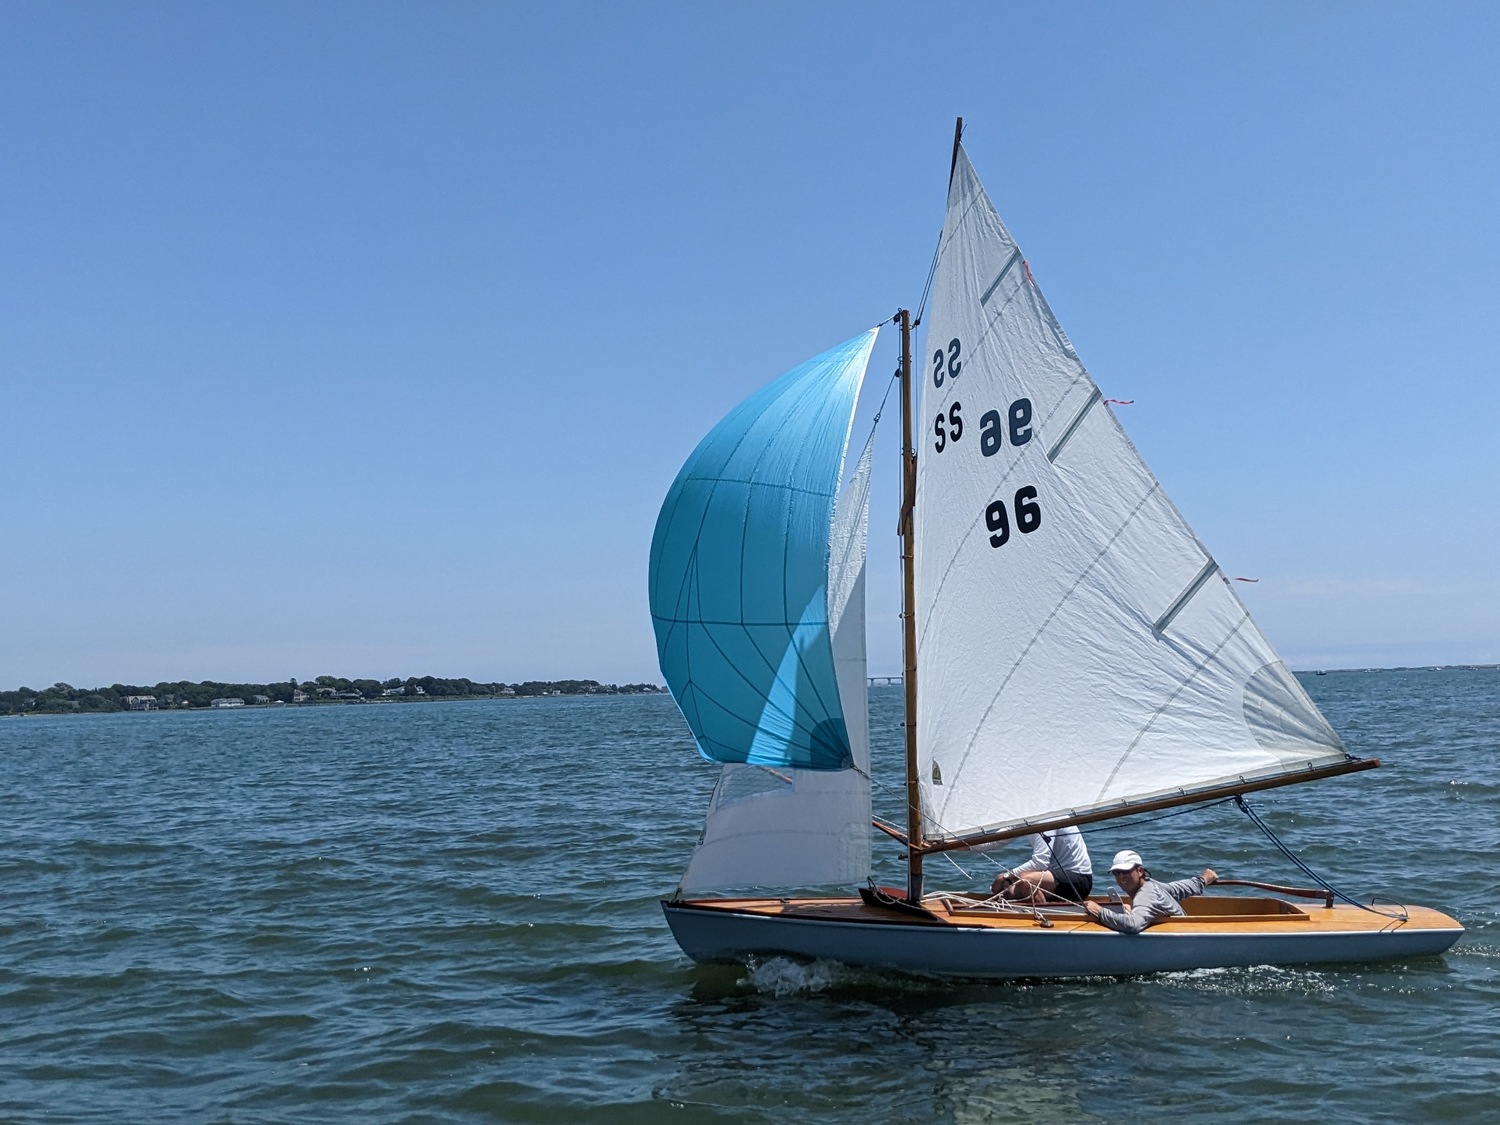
(1077, 646)
(739, 577)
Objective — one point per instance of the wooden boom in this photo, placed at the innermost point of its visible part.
(1155, 804)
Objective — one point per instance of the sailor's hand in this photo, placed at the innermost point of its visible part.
(1002, 882)
(1210, 877)
(1091, 908)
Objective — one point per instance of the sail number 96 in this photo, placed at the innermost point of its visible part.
(993, 429)
(1028, 516)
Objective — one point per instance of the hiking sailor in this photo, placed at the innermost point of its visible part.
(1150, 902)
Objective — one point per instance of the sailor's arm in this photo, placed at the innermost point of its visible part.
(1186, 888)
(1037, 862)
(1131, 920)
(1041, 858)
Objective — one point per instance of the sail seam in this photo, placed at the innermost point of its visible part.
(999, 312)
(802, 668)
(958, 223)
(701, 696)
(767, 485)
(736, 623)
(799, 706)
(1042, 628)
(861, 480)
(713, 482)
(798, 723)
(924, 623)
(1193, 675)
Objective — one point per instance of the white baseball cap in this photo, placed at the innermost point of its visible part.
(1127, 861)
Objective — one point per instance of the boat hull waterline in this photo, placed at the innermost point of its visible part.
(1007, 946)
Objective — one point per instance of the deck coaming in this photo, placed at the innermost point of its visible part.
(1306, 920)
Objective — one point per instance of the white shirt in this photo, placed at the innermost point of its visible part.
(1061, 851)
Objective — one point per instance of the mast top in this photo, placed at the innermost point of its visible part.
(958, 135)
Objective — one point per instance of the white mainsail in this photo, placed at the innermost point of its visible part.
(805, 828)
(1077, 646)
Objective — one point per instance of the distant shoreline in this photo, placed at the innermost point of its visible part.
(205, 695)
(320, 704)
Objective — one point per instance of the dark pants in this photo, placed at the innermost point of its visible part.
(1074, 888)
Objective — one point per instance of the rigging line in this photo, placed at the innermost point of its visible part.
(948, 856)
(1108, 826)
(931, 273)
(1098, 826)
(879, 410)
(901, 791)
(1256, 820)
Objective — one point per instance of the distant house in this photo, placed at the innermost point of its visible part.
(394, 691)
(300, 696)
(140, 703)
(507, 690)
(326, 691)
(228, 702)
(262, 699)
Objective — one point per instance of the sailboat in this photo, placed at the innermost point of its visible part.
(1073, 654)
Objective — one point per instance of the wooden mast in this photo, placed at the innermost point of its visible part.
(908, 530)
(909, 619)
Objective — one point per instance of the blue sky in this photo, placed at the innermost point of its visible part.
(366, 338)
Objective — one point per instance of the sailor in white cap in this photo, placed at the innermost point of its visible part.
(1150, 902)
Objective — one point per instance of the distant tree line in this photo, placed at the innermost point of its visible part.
(61, 699)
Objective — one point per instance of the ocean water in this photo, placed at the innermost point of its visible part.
(449, 913)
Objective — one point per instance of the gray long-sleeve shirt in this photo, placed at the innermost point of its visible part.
(1153, 903)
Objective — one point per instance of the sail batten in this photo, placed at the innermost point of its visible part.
(1009, 265)
(1095, 397)
(1161, 623)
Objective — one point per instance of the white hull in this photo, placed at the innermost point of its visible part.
(1070, 948)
